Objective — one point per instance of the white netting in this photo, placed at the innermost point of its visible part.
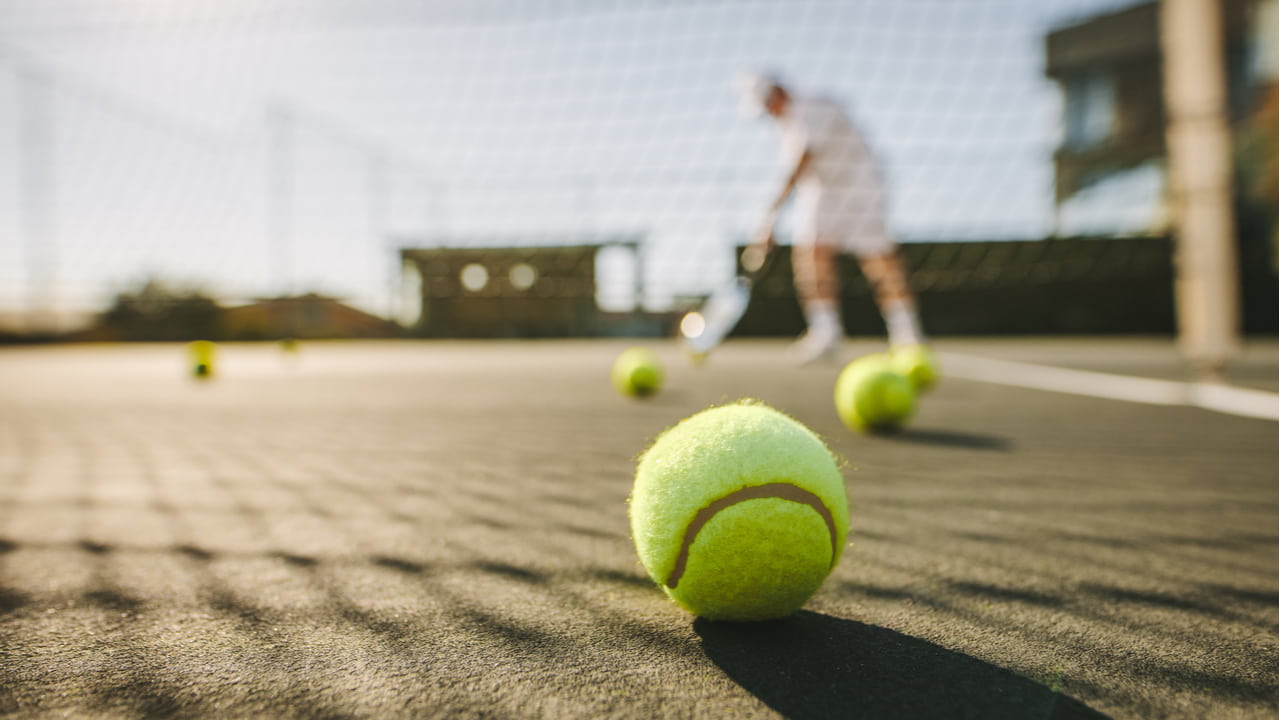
(296, 146)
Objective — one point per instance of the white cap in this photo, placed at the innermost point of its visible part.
(753, 88)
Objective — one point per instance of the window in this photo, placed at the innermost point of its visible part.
(522, 276)
(1262, 43)
(1090, 109)
(474, 277)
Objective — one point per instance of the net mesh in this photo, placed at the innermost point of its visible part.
(304, 147)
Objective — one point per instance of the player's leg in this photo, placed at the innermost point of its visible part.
(887, 274)
(818, 241)
(818, 286)
(881, 262)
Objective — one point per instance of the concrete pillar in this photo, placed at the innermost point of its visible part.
(1199, 144)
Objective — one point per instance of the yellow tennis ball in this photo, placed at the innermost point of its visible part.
(916, 363)
(739, 513)
(871, 397)
(637, 373)
(202, 355)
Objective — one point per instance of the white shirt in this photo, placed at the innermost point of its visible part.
(840, 195)
(840, 158)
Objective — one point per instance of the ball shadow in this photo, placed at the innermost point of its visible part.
(816, 666)
(947, 438)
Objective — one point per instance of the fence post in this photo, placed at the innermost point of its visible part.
(1199, 146)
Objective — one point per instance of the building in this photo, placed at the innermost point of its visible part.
(513, 287)
(1110, 169)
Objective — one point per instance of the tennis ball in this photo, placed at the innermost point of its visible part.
(637, 373)
(739, 513)
(917, 364)
(202, 354)
(871, 397)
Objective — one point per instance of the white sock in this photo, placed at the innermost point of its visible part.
(902, 322)
(823, 317)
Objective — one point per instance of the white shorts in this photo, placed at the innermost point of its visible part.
(848, 217)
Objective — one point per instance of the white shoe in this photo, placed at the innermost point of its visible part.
(816, 345)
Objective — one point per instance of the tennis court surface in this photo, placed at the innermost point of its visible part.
(439, 530)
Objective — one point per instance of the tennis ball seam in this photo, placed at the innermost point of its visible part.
(778, 490)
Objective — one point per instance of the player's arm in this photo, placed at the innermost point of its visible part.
(802, 164)
(764, 241)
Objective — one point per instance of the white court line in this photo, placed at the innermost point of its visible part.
(1210, 396)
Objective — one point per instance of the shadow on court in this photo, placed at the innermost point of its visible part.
(413, 530)
(949, 438)
(817, 666)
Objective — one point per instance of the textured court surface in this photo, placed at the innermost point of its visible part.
(439, 530)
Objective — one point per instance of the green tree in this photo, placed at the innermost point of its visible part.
(157, 310)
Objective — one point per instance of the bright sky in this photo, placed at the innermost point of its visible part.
(498, 118)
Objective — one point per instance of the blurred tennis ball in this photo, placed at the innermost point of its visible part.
(202, 356)
(916, 363)
(739, 513)
(753, 258)
(871, 397)
(637, 373)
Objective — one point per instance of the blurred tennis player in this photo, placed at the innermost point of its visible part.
(840, 200)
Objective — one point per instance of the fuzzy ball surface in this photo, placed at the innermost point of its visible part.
(202, 356)
(637, 373)
(870, 396)
(739, 513)
(916, 363)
